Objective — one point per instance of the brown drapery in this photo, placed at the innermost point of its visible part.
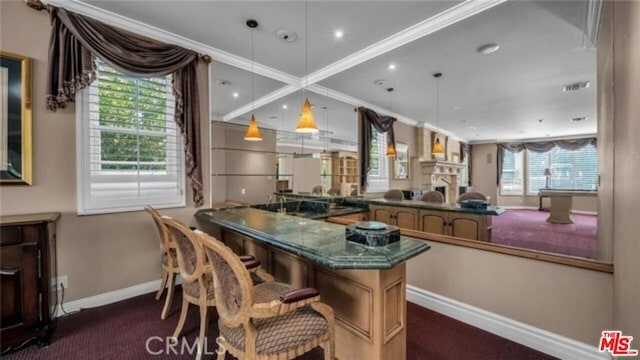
(76, 40)
(541, 146)
(369, 119)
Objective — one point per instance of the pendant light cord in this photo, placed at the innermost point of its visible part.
(306, 48)
(253, 74)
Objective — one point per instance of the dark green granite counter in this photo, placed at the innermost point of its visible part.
(321, 242)
(417, 204)
(310, 209)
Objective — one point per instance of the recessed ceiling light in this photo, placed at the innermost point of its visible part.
(284, 106)
(380, 82)
(488, 49)
(338, 34)
(391, 66)
(540, 120)
(235, 94)
(223, 82)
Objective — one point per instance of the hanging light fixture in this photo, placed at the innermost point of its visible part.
(306, 124)
(437, 146)
(253, 132)
(391, 147)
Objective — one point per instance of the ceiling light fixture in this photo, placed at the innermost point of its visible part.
(235, 94)
(284, 106)
(391, 147)
(253, 133)
(488, 49)
(306, 124)
(391, 66)
(437, 146)
(338, 34)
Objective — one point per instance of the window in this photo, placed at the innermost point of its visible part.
(570, 169)
(511, 181)
(129, 152)
(379, 174)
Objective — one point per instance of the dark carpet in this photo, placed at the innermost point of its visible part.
(528, 229)
(120, 331)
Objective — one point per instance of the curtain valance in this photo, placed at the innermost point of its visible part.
(367, 119)
(76, 40)
(541, 146)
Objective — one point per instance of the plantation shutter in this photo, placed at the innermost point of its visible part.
(570, 169)
(131, 150)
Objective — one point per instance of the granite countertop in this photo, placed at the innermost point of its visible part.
(316, 209)
(321, 242)
(417, 204)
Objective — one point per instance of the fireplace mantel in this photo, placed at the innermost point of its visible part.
(440, 167)
(441, 173)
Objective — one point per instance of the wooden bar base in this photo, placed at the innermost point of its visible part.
(369, 305)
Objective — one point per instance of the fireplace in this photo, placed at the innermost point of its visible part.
(441, 176)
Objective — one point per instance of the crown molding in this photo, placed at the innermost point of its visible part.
(592, 24)
(152, 32)
(426, 27)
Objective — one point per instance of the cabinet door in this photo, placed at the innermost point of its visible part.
(382, 214)
(406, 218)
(464, 227)
(434, 222)
(19, 279)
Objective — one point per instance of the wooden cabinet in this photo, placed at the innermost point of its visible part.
(467, 226)
(402, 217)
(27, 267)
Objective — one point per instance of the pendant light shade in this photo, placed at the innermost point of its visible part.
(391, 150)
(306, 124)
(253, 133)
(437, 148)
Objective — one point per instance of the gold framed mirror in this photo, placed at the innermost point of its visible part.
(15, 119)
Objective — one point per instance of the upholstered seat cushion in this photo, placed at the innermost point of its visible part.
(193, 289)
(280, 333)
(269, 291)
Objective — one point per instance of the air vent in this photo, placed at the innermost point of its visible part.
(577, 86)
(578, 119)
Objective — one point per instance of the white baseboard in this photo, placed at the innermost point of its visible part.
(111, 296)
(542, 340)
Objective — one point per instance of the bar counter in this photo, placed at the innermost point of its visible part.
(365, 286)
(318, 241)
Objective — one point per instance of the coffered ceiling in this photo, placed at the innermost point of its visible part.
(514, 93)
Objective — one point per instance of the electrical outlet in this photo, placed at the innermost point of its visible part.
(55, 283)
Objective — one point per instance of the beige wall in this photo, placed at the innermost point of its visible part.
(566, 300)
(626, 202)
(483, 170)
(98, 253)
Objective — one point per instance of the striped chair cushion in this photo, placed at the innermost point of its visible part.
(281, 333)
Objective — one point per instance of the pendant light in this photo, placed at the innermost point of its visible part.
(253, 133)
(306, 124)
(391, 147)
(437, 146)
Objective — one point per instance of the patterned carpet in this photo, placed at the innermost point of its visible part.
(120, 331)
(528, 229)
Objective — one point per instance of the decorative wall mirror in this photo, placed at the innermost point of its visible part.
(401, 164)
(15, 119)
